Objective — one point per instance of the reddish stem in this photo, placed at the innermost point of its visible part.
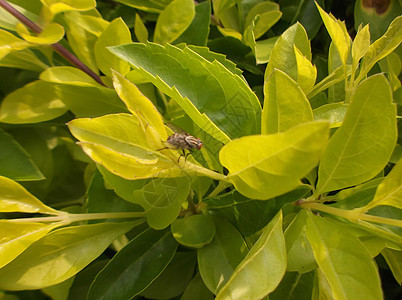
(57, 47)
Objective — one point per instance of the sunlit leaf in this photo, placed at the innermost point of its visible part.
(338, 32)
(67, 75)
(174, 20)
(285, 104)
(264, 266)
(368, 133)
(389, 192)
(51, 34)
(13, 198)
(9, 42)
(55, 255)
(265, 166)
(116, 33)
(344, 261)
(16, 237)
(208, 92)
(283, 55)
(35, 102)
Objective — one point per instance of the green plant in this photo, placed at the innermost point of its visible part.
(296, 198)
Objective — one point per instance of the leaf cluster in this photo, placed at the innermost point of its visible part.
(295, 194)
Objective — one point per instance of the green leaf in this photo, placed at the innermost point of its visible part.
(161, 199)
(265, 166)
(51, 34)
(116, 33)
(332, 112)
(196, 290)
(268, 13)
(61, 6)
(174, 279)
(10, 43)
(173, 21)
(209, 93)
(198, 31)
(141, 106)
(382, 47)
(56, 256)
(338, 32)
(251, 278)
(81, 40)
(36, 102)
(343, 260)
(16, 237)
(89, 101)
(146, 5)
(224, 253)
(379, 16)
(140, 31)
(300, 256)
(294, 286)
(14, 198)
(285, 104)
(360, 45)
(83, 280)
(306, 72)
(118, 142)
(67, 75)
(394, 261)
(194, 231)
(283, 54)
(16, 163)
(334, 77)
(389, 192)
(134, 267)
(23, 59)
(362, 146)
(122, 187)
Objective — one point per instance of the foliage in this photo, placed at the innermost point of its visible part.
(295, 194)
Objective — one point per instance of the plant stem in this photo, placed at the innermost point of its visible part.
(57, 47)
(351, 215)
(70, 218)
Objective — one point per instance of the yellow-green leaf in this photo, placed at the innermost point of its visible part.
(51, 34)
(140, 31)
(285, 104)
(116, 33)
(265, 166)
(389, 192)
(16, 237)
(10, 43)
(338, 32)
(59, 255)
(33, 103)
(306, 72)
(360, 44)
(344, 261)
(139, 105)
(362, 146)
(67, 75)
(174, 20)
(15, 198)
(263, 267)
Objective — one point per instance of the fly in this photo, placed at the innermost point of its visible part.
(183, 141)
